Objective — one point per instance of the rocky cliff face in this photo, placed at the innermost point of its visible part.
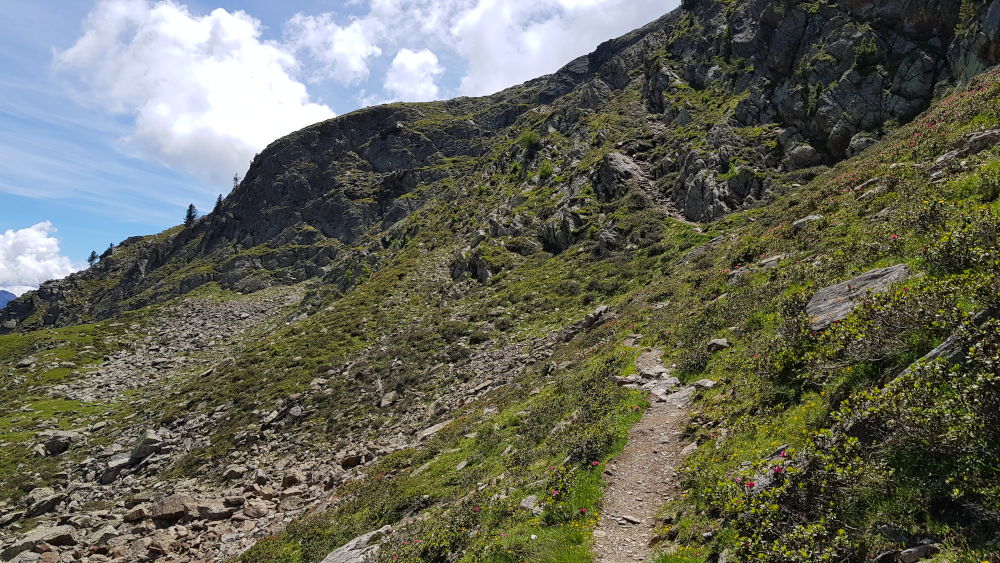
(418, 332)
(735, 94)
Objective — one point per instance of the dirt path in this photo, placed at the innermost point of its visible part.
(644, 476)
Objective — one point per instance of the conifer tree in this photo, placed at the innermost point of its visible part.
(191, 215)
(92, 258)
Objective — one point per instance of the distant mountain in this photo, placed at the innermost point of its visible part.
(6, 297)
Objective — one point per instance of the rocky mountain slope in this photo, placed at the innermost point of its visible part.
(420, 332)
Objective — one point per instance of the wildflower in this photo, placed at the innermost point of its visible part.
(476, 509)
(583, 511)
(894, 237)
(778, 470)
(596, 463)
(783, 453)
(751, 484)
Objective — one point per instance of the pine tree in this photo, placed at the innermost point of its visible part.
(92, 258)
(191, 215)
(236, 181)
(218, 205)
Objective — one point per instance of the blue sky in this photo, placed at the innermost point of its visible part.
(115, 114)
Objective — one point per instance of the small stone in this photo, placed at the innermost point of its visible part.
(115, 466)
(718, 345)
(103, 536)
(215, 510)
(915, 554)
(171, 508)
(233, 472)
(59, 441)
(149, 444)
(42, 500)
(389, 399)
(137, 513)
(805, 222)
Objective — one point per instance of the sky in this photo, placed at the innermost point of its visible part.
(116, 114)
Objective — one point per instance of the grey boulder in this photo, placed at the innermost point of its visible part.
(834, 303)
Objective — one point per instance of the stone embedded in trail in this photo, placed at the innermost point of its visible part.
(682, 398)
(834, 303)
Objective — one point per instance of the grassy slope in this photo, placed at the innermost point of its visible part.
(781, 385)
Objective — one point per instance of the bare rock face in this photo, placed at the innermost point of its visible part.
(614, 175)
(835, 303)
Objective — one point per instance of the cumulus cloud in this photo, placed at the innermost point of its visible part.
(412, 75)
(31, 256)
(342, 51)
(205, 92)
(508, 42)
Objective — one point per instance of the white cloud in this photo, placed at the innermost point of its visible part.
(412, 75)
(31, 256)
(343, 52)
(206, 92)
(504, 42)
(508, 42)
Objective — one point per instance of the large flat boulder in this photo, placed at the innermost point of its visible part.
(835, 303)
(360, 549)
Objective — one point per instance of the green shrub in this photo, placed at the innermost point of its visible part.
(531, 142)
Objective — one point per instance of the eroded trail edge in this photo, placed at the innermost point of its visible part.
(645, 475)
